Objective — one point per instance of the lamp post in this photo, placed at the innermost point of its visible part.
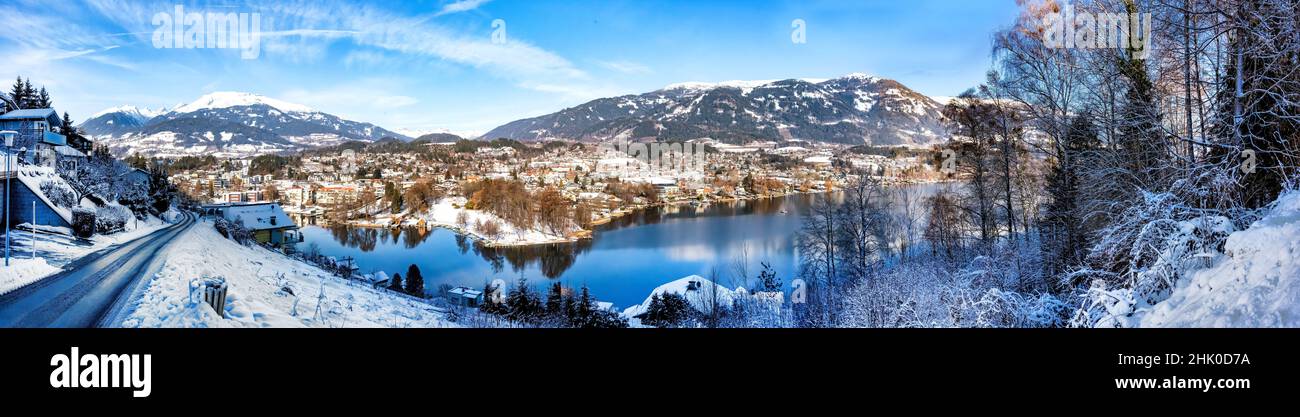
(9, 145)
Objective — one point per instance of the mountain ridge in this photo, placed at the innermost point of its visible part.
(228, 124)
(853, 109)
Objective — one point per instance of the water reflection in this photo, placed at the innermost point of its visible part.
(628, 257)
(553, 259)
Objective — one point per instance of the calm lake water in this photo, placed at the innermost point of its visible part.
(625, 260)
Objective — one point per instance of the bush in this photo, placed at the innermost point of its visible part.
(111, 219)
(83, 222)
(59, 195)
(234, 231)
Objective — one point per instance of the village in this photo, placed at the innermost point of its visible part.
(509, 193)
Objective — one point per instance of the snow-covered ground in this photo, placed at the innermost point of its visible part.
(1257, 283)
(265, 289)
(22, 271)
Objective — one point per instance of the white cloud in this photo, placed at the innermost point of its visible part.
(626, 67)
(460, 6)
(350, 100)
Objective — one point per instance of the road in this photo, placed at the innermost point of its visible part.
(91, 288)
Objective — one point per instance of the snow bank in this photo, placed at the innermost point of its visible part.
(266, 289)
(1257, 283)
(23, 271)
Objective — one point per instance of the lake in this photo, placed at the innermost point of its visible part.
(625, 260)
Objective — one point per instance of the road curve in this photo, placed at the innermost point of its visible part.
(85, 292)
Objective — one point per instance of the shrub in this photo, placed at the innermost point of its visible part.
(234, 231)
(83, 222)
(59, 195)
(111, 219)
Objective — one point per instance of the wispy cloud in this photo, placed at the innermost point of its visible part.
(460, 6)
(344, 100)
(626, 67)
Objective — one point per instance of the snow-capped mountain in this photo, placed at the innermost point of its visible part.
(119, 120)
(229, 124)
(854, 109)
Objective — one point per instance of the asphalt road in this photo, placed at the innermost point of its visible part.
(91, 288)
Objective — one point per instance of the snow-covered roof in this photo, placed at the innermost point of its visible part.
(465, 292)
(30, 114)
(259, 216)
(69, 151)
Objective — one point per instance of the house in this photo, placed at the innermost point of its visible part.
(67, 158)
(268, 222)
(37, 134)
(465, 297)
(137, 178)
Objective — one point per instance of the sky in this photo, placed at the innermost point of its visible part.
(466, 66)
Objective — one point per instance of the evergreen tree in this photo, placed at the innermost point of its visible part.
(29, 94)
(555, 302)
(583, 309)
(1062, 230)
(414, 281)
(395, 283)
(43, 100)
(570, 310)
(67, 127)
(666, 310)
(523, 305)
(17, 93)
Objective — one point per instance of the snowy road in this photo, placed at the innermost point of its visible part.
(90, 287)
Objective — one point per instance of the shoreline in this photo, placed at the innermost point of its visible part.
(590, 233)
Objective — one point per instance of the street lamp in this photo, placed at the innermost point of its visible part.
(9, 145)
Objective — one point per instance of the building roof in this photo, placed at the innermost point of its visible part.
(4, 98)
(259, 216)
(30, 114)
(68, 151)
(465, 292)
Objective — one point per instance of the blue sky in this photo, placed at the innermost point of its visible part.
(434, 64)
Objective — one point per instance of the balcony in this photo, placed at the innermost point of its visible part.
(54, 139)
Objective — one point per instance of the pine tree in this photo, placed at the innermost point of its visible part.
(43, 100)
(395, 283)
(522, 303)
(1063, 241)
(29, 94)
(666, 310)
(585, 306)
(555, 302)
(18, 94)
(414, 281)
(68, 127)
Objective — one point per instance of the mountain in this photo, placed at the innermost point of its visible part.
(855, 109)
(118, 120)
(229, 124)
